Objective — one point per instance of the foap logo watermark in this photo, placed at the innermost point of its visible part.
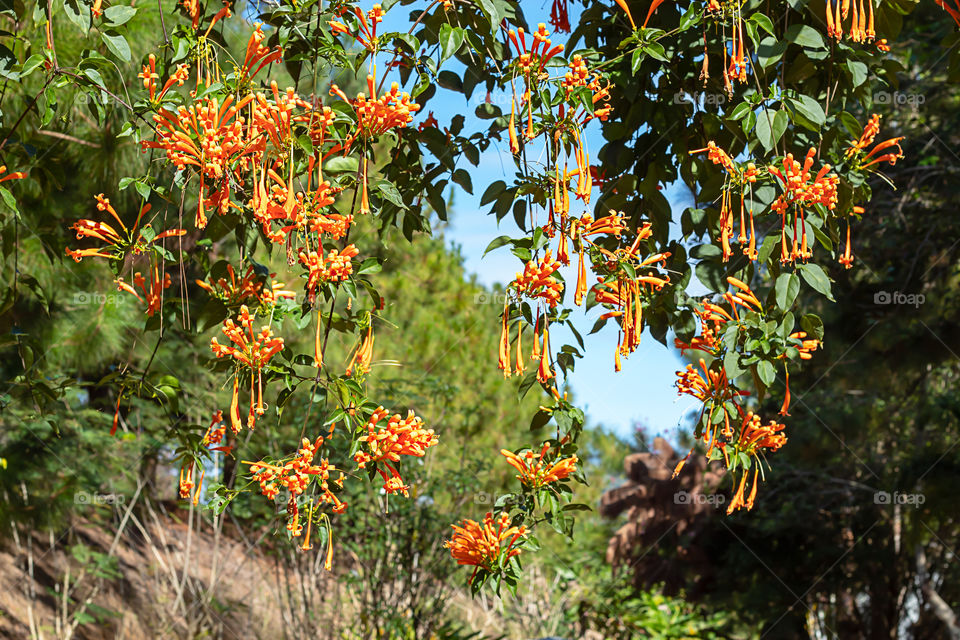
(98, 499)
(499, 299)
(897, 297)
(97, 298)
(883, 498)
(502, 99)
(712, 499)
(899, 98)
(485, 499)
(699, 98)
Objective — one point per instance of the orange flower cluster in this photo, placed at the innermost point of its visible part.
(744, 178)
(710, 386)
(537, 281)
(185, 488)
(800, 192)
(624, 292)
(118, 240)
(861, 22)
(400, 436)
(534, 472)
(334, 267)
(870, 131)
(487, 546)
(367, 24)
(530, 63)
(714, 389)
(253, 351)
(295, 476)
(753, 438)
(247, 290)
(376, 116)
(149, 77)
(152, 292)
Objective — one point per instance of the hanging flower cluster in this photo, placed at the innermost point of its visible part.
(488, 546)
(535, 472)
(726, 427)
(386, 443)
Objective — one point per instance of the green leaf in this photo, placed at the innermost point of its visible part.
(814, 275)
(390, 192)
(119, 14)
(770, 127)
(763, 22)
(117, 45)
(451, 38)
(341, 164)
(810, 109)
(858, 72)
(787, 288)
(766, 372)
(497, 243)
(32, 63)
(805, 36)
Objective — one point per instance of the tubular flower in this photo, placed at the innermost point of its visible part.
(488, 546)
(295, 476)
(251, 350)
(801, 190)
(366, 33)
(186, 486)
(152, 291)
(953, 12)
(209, 137)
(654, 5)
(149, 77)
(537, 281)
(861, 21)
(754, 438)
(362, 356)
(250, 289)
(400, 436)
(534, 472)
(119, 239)
(735, 176)
(16, 175)
(334, 267)
(258, 56)
(559, 16)
(859, 146)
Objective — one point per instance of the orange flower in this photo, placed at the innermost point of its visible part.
(534, 472)
(152, 294)
(488, 546)
(251, 288)
(334, 267)
(295, 476)
(400, 436)
(16, 175)
(186, 485)
(120, 239)
(362, 357)
(537, 281)
(252, 350)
